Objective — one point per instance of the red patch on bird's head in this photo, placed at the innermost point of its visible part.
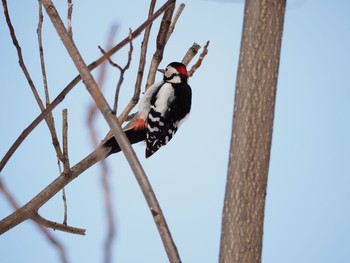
(182, 70)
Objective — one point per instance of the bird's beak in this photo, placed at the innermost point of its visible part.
(161, 70)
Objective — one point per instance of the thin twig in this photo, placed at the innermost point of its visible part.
(41, 52)
(122, 72)
(69, 18)
(111, 227)
(121, 78)
(64, 198)
(161, 42)
(66, 165)
(174, 20)
(65, 207)
(200, 59)
(190, 54)
(75, 81)
(135, 98)
(20, 56)
(57, 226)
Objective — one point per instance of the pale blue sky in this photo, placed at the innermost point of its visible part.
(307, 215)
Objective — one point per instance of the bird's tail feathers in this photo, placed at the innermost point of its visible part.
(133, 135)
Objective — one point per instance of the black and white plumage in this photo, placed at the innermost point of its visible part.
(162, 109)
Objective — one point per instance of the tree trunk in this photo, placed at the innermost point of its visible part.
(243, 214)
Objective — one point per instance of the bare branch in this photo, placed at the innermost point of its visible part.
(66, 166)
(161, 42)
(122, 72)
(135, 98)
(121, 78)
(199, 61)
(109, 213)
(69, 18)
(75, 81)
(174, 20)
(41, 52)
(20, 56)
(65, 207)
(57, 226)
(191, 53)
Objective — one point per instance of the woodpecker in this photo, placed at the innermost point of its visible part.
(162, 109)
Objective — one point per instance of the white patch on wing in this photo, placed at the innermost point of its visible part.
(153, 119)
(150, 129)
(145, 101)
(164, 96)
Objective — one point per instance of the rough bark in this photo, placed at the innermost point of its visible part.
(243, 214)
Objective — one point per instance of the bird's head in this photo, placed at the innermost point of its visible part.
(175, 72)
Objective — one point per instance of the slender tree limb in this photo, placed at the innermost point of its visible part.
(65, 207)
(135, 98)
(122, 72)
(57, 226)
(121, 77)
(190, 54)
(174, 20)
(75, 81)
(161, 42)
(41, 53)
(108, 200)
(199, 61)
(69, 18)
(20, 56)
(65, 160)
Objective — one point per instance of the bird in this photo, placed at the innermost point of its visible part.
(162, 109)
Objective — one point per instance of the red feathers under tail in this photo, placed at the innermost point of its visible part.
(133, 135)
